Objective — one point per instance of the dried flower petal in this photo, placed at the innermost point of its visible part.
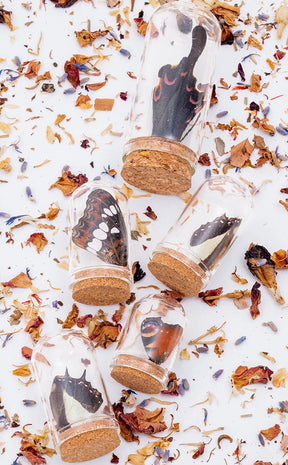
(210, 293)
(71, 317)
(255, 301)
(280, 259)
(281, 19)
(103, 104)
(145, 421)
(244, 376)
(39, 240)
(279, 378)
(21, 280)
(271, 433)
(263, 268)
(85, 38)
(241, 153)
(68, 182)
(103, 333)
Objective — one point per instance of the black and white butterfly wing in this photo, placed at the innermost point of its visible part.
(102, 230)
(210, 241)
(72, 399)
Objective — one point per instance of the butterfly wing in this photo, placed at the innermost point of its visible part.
(176, 99)
(211, 240)
(159, 338)
(102, 230)
(71, 399)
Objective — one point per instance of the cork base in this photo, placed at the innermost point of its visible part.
(87, 445)
(176, 275)
(101, 291)
(160, 167)
(134, 378)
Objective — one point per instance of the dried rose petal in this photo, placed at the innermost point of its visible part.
(271, 433)
(210, 293)
(255, 301)
(244, 376)
(199, 451)
(26, 352)
(263, 268)
(125, 429)
(83, 320)
(103, 333)
(68, 182)
(72, 74)
(145, 421)
(39, 240)
(204, 159)
(71, 317)
(280, 259)
(117, 316)
(280, 377)
(85, 38)
(240, 153)
(150, 213)
(21, 280)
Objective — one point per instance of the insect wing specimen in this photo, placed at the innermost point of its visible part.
(159, 338)
(176, 99)
(71, 399)
(102, 230)
(212, 239)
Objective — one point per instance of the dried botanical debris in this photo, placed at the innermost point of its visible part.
(271, 433)
(255, 301)
(68, 182)
(280, 259)
(281, 19)
(245, 376)
(262, 266)
(34, 445)
(103, 333)
(240, 153)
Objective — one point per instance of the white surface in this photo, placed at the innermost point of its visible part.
(268, 226)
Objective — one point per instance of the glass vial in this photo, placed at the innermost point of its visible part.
(75, 400)
(168, 116)
(193, 248)
(149, 344)
(99, 233)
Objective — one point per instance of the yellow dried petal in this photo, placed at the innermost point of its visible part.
(136, 459)
(279, 378)
(6, 128)
(127, 190)
(184, 354)
(50, 135)
(22, 370)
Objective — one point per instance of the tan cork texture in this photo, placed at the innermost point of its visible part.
(157, 172)
(134, 378)
(101, 291)
(176, 275)
(87, 445)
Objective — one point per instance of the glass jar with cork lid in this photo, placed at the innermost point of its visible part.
(74, 397)
(99, 230)
(168, 116)
(149, 344)
(190, 253)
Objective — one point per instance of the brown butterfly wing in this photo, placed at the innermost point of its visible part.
(159, 338)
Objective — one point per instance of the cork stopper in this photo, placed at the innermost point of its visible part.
(158, 165)
(88, 441)
(101, 291)
(188, 280)
(138, 374)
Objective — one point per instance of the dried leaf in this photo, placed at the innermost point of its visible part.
(85, 38)
(71, 317)
(262, 267)
(271, 433)
(280, 259)
(68, 182)
(210, 293)
(103, 104)
(255, 301)
(103, 333)
(145, 421)
(241, 153)
(245, 376)
(21, 280)
(39, 240)
(279, 378)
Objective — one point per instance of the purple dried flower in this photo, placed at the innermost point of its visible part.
(217, 374)
(240, 340)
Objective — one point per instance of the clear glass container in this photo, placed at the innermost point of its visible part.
(192, 249)
(168, 116)
(99, 231)
(74, 397)
(149, 344)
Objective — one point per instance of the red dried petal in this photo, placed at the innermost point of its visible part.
(255, 301)
(72, 74)
(33, 457)
(210, 293)
(199, 451)
(26, 352)
(271, 433)
(244, 376)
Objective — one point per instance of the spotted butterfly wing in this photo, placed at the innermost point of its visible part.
(159, 338)
(176, 99)
(212, 239)
(102, 230)
(71, 399)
